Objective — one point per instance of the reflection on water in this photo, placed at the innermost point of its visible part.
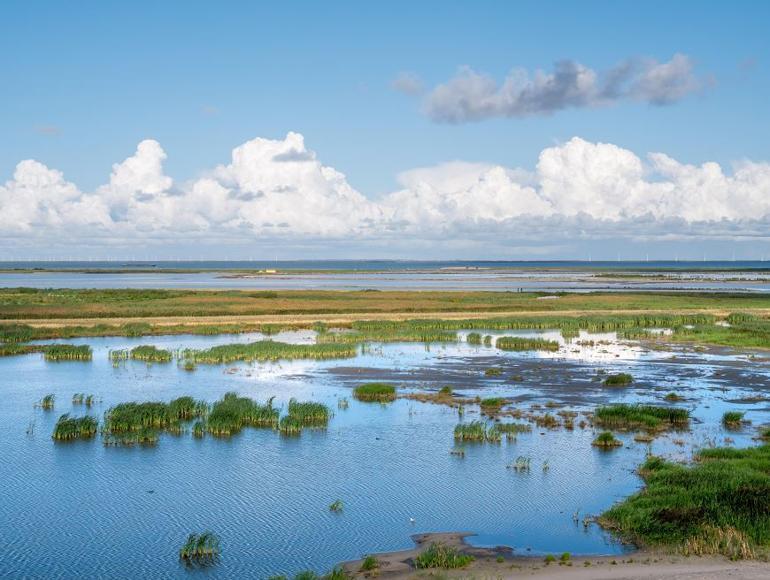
(67, 508)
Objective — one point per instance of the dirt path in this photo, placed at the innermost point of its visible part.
(501, 562)
(347, 317)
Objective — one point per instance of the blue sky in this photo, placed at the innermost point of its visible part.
(85, 82)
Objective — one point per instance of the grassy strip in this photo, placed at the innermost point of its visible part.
(477, 431)
(622, 416)
(29, 303)
(717, 506)
(439, 555)
(150, 353)
(65, 352)
(268, 350)
(516, 343)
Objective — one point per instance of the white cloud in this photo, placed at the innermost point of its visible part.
(278, 191)
(473, 96)
(408, 83)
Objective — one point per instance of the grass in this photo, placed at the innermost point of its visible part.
(606, 440)
(336, 506)
(439, 555)
(718, 505)
(309, 414)
(673, 397)
(492, 404)
(623, 416)
(493, 372)
(70, 428)
(83, 399)
(289, 425)
(134, 423)
(375, 393)
(477, 431)
(232, 413)
(149, 353)
(67, 352)
(732, 419)
(370, 563)
(200, 548)
(618, 380)
(516, 343)
(513, 428)
(47, 402)
(268, 350)
(473, 338)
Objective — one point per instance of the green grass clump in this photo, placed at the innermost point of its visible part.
(70, 428)
(517, 343)
(289, 425)
(673, 397)
(48, 402)
(200, 548)
(310, 414)
(513, 428)
(473, 338)
(439, 555)
(492, 404)
(606, 440)
(131, 423)
(732, 419)
(618, 380)
(370, 563)
(83, 399)
(623, 416)
(336, 506)
(719, 505)
(65, 352)
(477, 431)
(232, 413)
(375, 393)
(148, 353)
(493, 372)
(268, 350)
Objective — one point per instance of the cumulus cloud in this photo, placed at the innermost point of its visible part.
(277, 189)
(473, 96)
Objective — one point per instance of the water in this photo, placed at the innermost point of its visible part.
(395, 275)
(117, 512)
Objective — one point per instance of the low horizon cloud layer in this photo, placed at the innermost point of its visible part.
(474, 96)
(277, 192)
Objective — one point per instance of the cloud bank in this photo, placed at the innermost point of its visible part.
(277, 191)
(474, 96)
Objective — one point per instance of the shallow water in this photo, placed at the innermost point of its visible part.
(119, 512)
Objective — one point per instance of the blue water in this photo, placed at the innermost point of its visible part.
(69, 510)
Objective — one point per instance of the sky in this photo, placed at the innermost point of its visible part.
(422, 130)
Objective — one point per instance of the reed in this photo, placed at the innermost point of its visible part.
(375, 393)
(336, 506)
(48, 402)
(513, 428)
(477, 431)
(439, 555)
(310, 414)
(67, 352)
(83, 399)
(492, 404)
(493, 372)
(606, 440)
(732, 419)
(370, 563)
(641, 416)
(717, 505)
(70, 428)
(473, 338)
(673, 397)
(519, 344)
(618, 380)
(149, 353)
(289, 425)
(268, 350)
(232, 413)
(200, 548)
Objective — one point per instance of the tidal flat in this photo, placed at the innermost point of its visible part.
(395, 467)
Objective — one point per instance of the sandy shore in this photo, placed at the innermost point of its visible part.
(501, 562)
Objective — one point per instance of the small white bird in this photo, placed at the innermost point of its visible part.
(411, 520)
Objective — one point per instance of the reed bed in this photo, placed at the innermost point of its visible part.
(232, 413)
(70, 428)
(519, 344)
(149, 353)
(513, 428)
(492, 404)
(439, 555)
(618, 380)
(67, 352)
(134, 422)
(83, 399)
(718, 505)
(289, 425)
(375, 393)
(732, 419)
(477, 431)
(47, 402)
(387, 335)
(13, 349)
(623, 416)
(473, 338)
(310, 414)
(606, 440)
(268, 350)
(200, 548)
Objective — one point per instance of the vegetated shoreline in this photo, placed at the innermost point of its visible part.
(503, 562)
